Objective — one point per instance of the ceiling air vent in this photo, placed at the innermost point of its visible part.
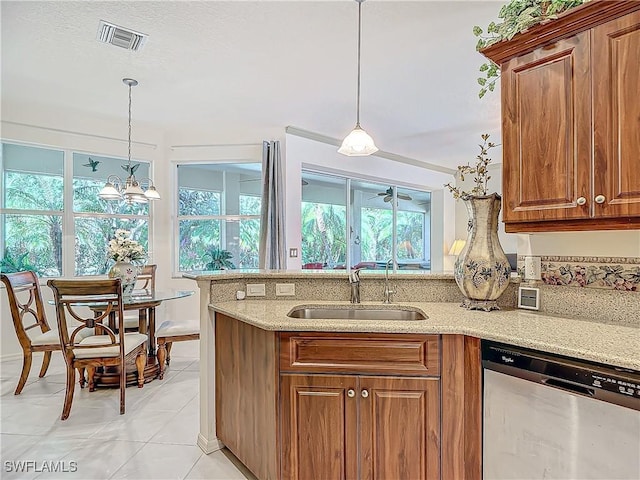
(120, 37)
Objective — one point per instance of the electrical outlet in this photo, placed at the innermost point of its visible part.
(255, 290)
(293, 253)
(285, 289)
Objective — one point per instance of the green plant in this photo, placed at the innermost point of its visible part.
(19, 263)
(480, 170)
(516, 16)
(219, 259)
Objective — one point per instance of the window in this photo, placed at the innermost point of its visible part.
(385, 222)
(96, 220)
(218, 216)
(58, 227)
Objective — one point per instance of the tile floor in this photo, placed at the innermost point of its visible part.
(154, 439)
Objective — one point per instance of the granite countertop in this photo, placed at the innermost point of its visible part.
(575, 337)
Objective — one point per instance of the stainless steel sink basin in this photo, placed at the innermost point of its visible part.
(355, 313)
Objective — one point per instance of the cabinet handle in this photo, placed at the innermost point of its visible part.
(581, 201)
(600, 199)
(365, 393)
(351, 393)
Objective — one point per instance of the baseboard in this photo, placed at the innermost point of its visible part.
(209, 446)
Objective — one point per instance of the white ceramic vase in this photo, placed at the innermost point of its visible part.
(127, 273)
(482, 270)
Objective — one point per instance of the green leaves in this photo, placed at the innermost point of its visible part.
(516, 16)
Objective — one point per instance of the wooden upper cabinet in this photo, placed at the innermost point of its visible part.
(616, 113)
(571, 121)
(546, 132)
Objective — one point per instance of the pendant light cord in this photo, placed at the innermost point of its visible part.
(129, 129)
(359, 42)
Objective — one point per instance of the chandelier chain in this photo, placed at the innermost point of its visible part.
(129, 141)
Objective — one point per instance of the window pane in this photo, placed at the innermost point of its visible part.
(376, 228)
(199, 240)
(198, 202)
(323, 221)
(92, 237)
(248, 252)
(32, 177)
(90, 173)
(33, 242)
(249, 205)
(412, 229)
(220, 189)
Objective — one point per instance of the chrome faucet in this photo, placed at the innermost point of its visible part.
(387, 290)
(354, 282)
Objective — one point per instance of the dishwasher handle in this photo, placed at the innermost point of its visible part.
(567, 386)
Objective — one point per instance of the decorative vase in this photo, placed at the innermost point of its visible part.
(127, 272)
(482, 270)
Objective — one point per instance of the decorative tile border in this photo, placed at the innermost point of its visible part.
(611, 273)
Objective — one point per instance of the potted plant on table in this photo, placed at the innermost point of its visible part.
(482, 270)
(129, 256)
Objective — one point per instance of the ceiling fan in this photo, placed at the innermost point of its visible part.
(388, 195)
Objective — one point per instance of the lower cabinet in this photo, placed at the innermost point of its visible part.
(356, 406)
(366, 427)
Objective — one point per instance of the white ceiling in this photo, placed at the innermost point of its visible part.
(255, 65)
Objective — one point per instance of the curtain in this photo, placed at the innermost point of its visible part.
(272, 234)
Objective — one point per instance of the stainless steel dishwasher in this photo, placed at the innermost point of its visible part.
(552, 417)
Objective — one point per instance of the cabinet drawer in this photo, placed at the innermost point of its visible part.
(360, 353)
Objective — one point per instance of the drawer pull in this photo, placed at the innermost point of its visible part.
(581, 201)
(365, 393)
(351, 393)
(600, 199)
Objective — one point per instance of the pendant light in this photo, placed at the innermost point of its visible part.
(130, 190)
(358, 143)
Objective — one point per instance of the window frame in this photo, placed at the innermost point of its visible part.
(68, 214)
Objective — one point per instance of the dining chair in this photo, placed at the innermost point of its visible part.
(25, 303)
(146, 281)
(173, 331)
(103, 350)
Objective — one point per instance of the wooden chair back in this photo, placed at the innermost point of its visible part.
(30, 322)
(25, 303)
(71, 299)
(147, 278)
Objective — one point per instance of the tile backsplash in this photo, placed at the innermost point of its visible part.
(609, 273)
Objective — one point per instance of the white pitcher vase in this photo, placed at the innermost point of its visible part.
(482, 270)
(127, 273)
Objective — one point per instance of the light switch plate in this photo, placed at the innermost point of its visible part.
(529, 298)
(285, 289)
(255, 290)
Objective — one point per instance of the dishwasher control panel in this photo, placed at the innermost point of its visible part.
(578, 376)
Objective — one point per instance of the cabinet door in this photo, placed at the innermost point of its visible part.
(319, 427)
(399, 428)
(616, 87)
(546, 124)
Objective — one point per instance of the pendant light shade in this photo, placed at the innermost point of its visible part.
(358, 143)
(130, 189)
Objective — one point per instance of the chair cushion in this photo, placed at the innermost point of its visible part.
(170, 328)
(131, 341)
(52, 338)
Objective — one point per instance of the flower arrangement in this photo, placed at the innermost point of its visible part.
(481, 171)
(123, 249)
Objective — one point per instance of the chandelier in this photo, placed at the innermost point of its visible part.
(129, 190)
(358, 143)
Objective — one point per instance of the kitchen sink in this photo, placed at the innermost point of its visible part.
(359, 313)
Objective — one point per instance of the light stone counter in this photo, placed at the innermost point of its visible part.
(579, 338)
